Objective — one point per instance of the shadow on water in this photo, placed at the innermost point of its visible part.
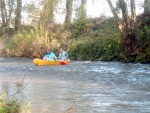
(96, 87)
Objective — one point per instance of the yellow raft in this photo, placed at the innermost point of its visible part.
(40, 62)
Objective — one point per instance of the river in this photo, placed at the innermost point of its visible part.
(91, 86)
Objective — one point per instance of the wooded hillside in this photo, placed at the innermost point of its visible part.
(129, 40)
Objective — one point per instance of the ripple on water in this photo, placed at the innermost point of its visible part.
(98, 87)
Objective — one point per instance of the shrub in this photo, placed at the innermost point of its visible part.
(32, 43)
(103, 43)
(95, 49)
(8, 106)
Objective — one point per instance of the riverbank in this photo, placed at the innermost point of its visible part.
(100, 40)
(104, 43)
(1, 46)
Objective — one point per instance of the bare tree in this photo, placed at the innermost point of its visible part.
(128, 26)
(18, 14)
(47, 11)
(68, 11)
(6, 12)
(3, 12)
(133, 18)
(119, 25)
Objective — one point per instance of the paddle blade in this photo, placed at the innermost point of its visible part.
(63, 63)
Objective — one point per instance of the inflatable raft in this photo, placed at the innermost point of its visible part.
(40, 62)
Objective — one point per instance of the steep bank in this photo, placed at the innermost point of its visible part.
(103, 42)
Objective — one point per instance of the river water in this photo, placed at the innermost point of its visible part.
(92, 87)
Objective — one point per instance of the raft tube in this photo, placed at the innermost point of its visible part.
(40, 62)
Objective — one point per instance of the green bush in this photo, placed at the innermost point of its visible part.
(20, 44)
(80, 26)
(144, 33)
(102, 43)
(95, 49)
(8, 106)
(144, 39)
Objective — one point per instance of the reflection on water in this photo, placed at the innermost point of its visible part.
(97, 87)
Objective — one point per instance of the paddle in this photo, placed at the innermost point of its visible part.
(63, 63)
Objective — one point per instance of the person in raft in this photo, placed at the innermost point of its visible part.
(49, 55)
(63, 55)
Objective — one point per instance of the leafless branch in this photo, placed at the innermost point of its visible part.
(20, 89)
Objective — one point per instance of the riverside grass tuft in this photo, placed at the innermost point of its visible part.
(9, 105)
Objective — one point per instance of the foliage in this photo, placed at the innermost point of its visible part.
(8, 106)
(80, 23)
(144, 45)
(95, 49)
(43, 12)
(87, 39)
(144, 29)
(33, 43)
(20, 44)
(7, 9)
(127, 25)
(102, 44)
(80, 26)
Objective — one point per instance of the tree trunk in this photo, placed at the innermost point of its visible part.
(18, 14)
(47, 16)
(128, 28)
(3, 16)
(68, 11)
(126, 18)
(83, 8)
(147, 7)
(133, 18)
(6, 13)
(50, 11)
(10, 5)
(115, 16)
(129, 40)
